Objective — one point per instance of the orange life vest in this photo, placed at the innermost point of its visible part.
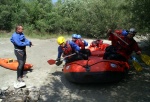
(67, 49)
(96, 43)
(113, 38)
(126, 50)
(80, 43)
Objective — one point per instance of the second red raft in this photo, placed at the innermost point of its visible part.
(12, 64)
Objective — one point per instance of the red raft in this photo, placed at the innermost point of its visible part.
(95, 70)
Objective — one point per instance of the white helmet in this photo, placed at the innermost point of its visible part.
(132, 31)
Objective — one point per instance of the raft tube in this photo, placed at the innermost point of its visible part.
(95, 70)
(12, 64)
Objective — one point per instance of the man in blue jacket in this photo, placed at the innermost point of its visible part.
(20, 42)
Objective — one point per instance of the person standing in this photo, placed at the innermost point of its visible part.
(20, 42)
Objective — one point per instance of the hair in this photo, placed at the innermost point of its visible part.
(17, 27)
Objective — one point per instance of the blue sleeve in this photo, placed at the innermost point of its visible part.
(85, 43)
(60, 51)
(74, 46)
(19, 40)
(27, 41)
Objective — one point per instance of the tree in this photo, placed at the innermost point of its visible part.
(140, 14)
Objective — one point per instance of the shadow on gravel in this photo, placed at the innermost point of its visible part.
(135, 88)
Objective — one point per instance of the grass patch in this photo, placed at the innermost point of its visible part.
(34, 34)
(4, 34)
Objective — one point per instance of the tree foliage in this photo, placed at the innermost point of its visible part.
(140, 14)
(88, 17)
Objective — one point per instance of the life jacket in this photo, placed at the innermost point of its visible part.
(67, 49)
(99, 43)
(124, 49)
(93, 44)
(96, 43)
(119, 32)
(114, 38)
(80, 43)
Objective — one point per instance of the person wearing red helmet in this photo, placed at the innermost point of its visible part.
(122, 46)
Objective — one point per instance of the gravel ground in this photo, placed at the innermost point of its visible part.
(55, 88)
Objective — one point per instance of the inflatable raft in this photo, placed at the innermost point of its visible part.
(95, 70)
(13, 64)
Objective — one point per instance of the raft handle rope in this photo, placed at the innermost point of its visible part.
(88, 66)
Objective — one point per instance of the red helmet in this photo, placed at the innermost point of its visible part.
(118, 32)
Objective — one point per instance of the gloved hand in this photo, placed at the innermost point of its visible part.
(58, 59)
(77, 52)
(59, 63)
(30, 44)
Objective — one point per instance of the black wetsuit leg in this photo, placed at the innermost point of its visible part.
(21, 57)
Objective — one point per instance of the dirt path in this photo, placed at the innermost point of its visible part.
(55, 88)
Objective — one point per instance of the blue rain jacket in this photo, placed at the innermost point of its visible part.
(85, 43)
(19, 40)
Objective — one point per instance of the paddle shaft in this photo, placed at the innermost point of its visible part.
(120, 38)
(51, 61)
(67, 56)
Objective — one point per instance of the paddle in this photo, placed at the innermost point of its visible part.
(120, 38)
(136, 64)
(144, 57)
(52, 61)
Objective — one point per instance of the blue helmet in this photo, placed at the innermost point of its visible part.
(74, 36)
(78, 36)
(125, 32)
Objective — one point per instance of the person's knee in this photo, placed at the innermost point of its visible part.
(21, 64)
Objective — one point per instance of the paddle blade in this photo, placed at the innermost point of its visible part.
(146, 59)
(51, 61)
(137, 66)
